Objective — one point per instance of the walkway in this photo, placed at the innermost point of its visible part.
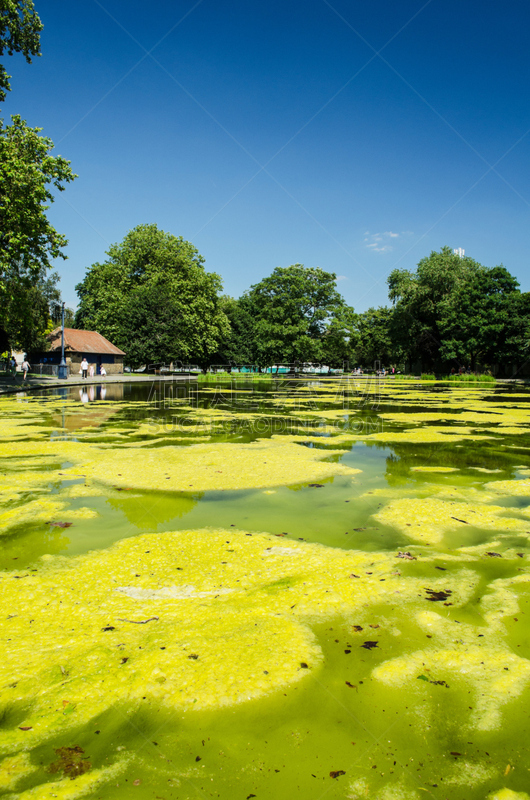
(9, 384)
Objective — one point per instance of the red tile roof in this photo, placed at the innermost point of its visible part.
(82, 342)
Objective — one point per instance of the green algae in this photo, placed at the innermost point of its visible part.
(229, 583)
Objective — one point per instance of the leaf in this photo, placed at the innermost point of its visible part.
(71, 762)
(423, 678)
(437, 596)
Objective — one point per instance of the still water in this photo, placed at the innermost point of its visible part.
(268, 589)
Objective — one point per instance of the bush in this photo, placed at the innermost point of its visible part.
(471, 378)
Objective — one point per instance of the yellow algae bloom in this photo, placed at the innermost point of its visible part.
(431, 434)
(188, 619)
(508, 794)
(203, 467)
(72, 788)
(433, 469)
(41, 510)
(513, 488)
(426, 520)
(13, 768)
(494, 674)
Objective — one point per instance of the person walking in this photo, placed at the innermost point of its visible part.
(25, 367)
(84, 367)
(13, 366)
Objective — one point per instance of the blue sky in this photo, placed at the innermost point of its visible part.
(354, 136)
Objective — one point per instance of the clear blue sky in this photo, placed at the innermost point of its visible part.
(354, 136)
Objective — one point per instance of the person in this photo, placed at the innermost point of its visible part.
(91, 371)
(103, 371)
(13, 365)
(25, 367)
(84, 367)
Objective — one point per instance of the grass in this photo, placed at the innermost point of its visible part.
(471, 378)
(481, 379)
(234, 376)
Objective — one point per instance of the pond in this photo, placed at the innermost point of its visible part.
(265, 588)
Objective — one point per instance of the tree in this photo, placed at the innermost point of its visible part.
(480, 321)
(20, 29)
(340, 338)
(454, 311)
(238, 344)
(375, 341)
(292, 310)
(31, 314)
(27, 240)
(153, 298)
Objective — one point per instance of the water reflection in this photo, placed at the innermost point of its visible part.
(93, 392)
(148, 511)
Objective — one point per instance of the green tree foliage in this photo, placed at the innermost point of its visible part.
(341, 338)
(375, 342)
(27, 240)
(153, 298)
(56, 315)
(291, 312)
(20, 29)
(32, 312)
(238, 345)
(453, 310)
(480, 321)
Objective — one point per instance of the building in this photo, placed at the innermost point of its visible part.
(97, 350)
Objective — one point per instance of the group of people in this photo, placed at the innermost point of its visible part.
(13, 366)
(88, 369)
(382, 372)
(85, 371)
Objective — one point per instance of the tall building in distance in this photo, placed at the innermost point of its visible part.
(459, 252)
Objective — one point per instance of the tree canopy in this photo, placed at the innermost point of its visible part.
(20, 29)
(28, 242)
(454, 310)
(153, 298)
(375, 342)
(295, 314)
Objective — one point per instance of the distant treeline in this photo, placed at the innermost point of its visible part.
(153, 298)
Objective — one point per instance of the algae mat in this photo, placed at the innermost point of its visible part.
(336, 606)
